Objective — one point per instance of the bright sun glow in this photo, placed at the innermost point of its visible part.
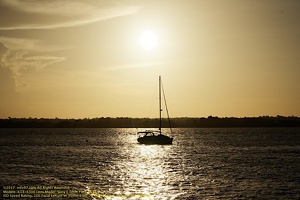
(148, 40)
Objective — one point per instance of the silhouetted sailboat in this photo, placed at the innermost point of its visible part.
(152, 136)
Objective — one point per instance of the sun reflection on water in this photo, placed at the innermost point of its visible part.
(150, 172)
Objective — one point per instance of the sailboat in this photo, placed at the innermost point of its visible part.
(156, 136)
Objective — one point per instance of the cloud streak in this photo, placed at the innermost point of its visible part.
(38, 14)
(136, 65)
(19, 60)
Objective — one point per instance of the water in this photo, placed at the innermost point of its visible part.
(237, 163)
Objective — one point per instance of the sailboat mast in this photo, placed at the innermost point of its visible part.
(160, 110)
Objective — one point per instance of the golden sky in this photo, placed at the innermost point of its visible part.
(94, 58)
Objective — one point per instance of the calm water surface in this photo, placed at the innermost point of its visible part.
(237, 163)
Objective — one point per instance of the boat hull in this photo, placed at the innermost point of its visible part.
(158, 139)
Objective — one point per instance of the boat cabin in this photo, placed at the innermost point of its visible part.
(148, 133)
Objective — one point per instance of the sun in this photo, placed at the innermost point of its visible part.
(148, 40)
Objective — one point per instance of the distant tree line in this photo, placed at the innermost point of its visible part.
(126, 122)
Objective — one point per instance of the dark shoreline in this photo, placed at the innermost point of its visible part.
(127, 122)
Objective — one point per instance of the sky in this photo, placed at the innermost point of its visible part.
(102, 58)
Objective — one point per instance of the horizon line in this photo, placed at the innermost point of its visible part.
(107, 117)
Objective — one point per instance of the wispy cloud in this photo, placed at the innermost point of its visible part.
(38, 14)
(32, 45)
(19, 60)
